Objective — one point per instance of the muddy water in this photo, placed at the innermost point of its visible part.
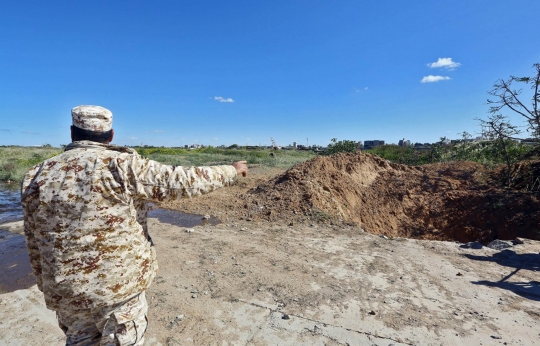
(177, 218)
(15, 270)
(10, 203)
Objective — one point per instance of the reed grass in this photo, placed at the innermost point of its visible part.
(15, 161)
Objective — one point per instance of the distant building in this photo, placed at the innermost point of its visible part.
(359, 145)
(530, 141)
(404, 143)
(373, 144)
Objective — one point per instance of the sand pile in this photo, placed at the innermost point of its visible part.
(451, 201)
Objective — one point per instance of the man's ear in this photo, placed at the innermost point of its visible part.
(112, 135)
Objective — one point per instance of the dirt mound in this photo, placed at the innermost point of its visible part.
(451, 201)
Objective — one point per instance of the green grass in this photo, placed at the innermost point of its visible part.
(487, 153)
(216, 156)
(15, 161)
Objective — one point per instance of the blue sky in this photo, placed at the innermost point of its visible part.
(224, 72)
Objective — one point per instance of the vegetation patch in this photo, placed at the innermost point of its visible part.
(15, 161)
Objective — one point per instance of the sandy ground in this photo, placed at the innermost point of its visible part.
(249, 281)
(263, 284)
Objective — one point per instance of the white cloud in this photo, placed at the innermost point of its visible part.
(133, 138)
(221, 99)
(446, 63)
(432, 79)
(358, 90)
(215, 138)
(159, 131)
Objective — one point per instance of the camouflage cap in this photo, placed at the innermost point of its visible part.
(92, 118)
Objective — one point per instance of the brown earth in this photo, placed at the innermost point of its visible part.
(290, 264)
(461, 201)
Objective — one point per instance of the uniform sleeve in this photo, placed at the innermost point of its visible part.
(151, 180)
(30, 202)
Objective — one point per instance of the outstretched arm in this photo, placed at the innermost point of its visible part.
(152, 180)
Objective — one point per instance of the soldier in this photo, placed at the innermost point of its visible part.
(85, 225)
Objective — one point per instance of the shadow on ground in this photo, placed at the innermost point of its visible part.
(509, 258)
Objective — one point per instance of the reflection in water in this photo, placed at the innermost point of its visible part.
(180, 219)
(10, 203)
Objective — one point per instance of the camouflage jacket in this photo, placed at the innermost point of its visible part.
(85, 220)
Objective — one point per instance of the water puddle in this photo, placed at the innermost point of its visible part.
(15, 270)
(176, 218)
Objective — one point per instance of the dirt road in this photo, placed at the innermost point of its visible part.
(260, 284)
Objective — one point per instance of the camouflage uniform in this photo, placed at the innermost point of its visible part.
(85, 221)
(120, 324)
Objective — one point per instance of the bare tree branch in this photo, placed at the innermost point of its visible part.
(515, 97)
(536, 95)
(507, 97)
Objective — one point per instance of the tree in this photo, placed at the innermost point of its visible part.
(341, 146)
(438, 151)
(507, 96)
(463, 150)
(501, 132)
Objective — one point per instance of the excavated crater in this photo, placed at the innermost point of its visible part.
(460, 201)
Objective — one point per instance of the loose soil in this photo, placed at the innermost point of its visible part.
(461, 201)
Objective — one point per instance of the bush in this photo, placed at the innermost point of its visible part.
(345, 146)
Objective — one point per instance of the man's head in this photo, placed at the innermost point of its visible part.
(91, 123)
